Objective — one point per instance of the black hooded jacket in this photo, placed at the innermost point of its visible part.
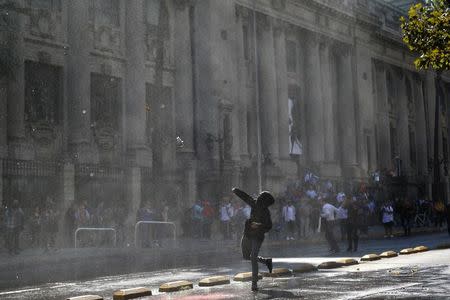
(260, 213)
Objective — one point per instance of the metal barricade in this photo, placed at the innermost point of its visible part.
(136, 227)
(95, 229)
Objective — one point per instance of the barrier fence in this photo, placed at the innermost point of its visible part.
(138, 224)
(95, 229)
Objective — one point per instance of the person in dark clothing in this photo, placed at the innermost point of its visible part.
(255, 228)
(14, 223)
(352, 224)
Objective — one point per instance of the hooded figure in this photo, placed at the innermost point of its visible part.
(255, 228)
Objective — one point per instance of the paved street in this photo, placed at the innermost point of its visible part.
(423, 274)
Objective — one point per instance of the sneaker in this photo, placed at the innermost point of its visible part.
(269, 264)
(254, 288)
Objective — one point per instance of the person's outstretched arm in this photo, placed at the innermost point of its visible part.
(244, 196)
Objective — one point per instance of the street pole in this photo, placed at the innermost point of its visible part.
(436, 163)
(258, 119)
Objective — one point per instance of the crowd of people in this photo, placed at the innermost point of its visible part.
(306, 208)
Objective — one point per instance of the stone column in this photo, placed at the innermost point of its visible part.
(282, 89)
(134, 197)
(184, 105)
(79, 79)
(267, 87)
(328, 103)
(421, 129)
(403, 127)
(383, 131)
(135, 84)
(16, 86)
(3, 118)
(313, 99)
(346, 111)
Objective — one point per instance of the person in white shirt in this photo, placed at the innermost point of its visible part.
(226, 213)
(289, 218)
(328, 215)
(387, 219)
(342, 216)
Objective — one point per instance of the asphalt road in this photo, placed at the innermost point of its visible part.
(422, 275)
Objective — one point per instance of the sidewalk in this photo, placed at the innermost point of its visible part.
(34, 267)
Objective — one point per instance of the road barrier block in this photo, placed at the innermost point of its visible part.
(214, 280)
(421, 248)
(278, 272)
(175, 286)
(86, 297)
(304, 268)
(329, 265)
(347, 261)
(131, 293)
(246, 276)
(388, 254)
(407, 251)
(370, 257)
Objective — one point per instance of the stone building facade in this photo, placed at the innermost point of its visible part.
(97, 91)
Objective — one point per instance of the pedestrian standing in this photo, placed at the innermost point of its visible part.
(387, 217)
(197, 219)
(342, 216)
(255, 228)
(49, 227)
(328, 215)
(289, 219)
(226, 213)
(305, 217)
(208, 217)
(352, 223)
(35, 227)
(14, 223)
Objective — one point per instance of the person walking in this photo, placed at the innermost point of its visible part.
(14, 224)
(352, 223)
(387, 218)
(328, 215)
(342, 216)
(255, 228)
(289, 218)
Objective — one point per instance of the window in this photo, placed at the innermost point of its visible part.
(291, 56)
(393, 141)
(42, 93)
(105, 101)
(107, 12)
(245, 37)
(409, 98)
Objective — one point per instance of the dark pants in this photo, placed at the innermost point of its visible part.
(329, 235)
(225, 227)
(343, 227)
(406, 224)
(250, 250)
(12, 239)
(352, 236)
(290, 228)
(388, 228)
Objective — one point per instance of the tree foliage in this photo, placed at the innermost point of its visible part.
(426, 31)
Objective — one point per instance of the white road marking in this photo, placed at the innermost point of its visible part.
(19, 291)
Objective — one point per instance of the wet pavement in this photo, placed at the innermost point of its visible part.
(407, 277)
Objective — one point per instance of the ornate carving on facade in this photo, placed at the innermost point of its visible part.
(342, 49)
(107, 39)
(264, 22)
(43, 133)
(243, 12)
(278, 4)
(45, 19)
(279, 27)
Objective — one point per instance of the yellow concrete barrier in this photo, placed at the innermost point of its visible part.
(421, 248)
(329, 265)
(278, 272)
(347, 261)
(370, 257)
(214, 280)
(388, 254)
(407, 251)
(176, 286)
(131, 293)
(246, 276)
(86, 297)
(303, 268)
